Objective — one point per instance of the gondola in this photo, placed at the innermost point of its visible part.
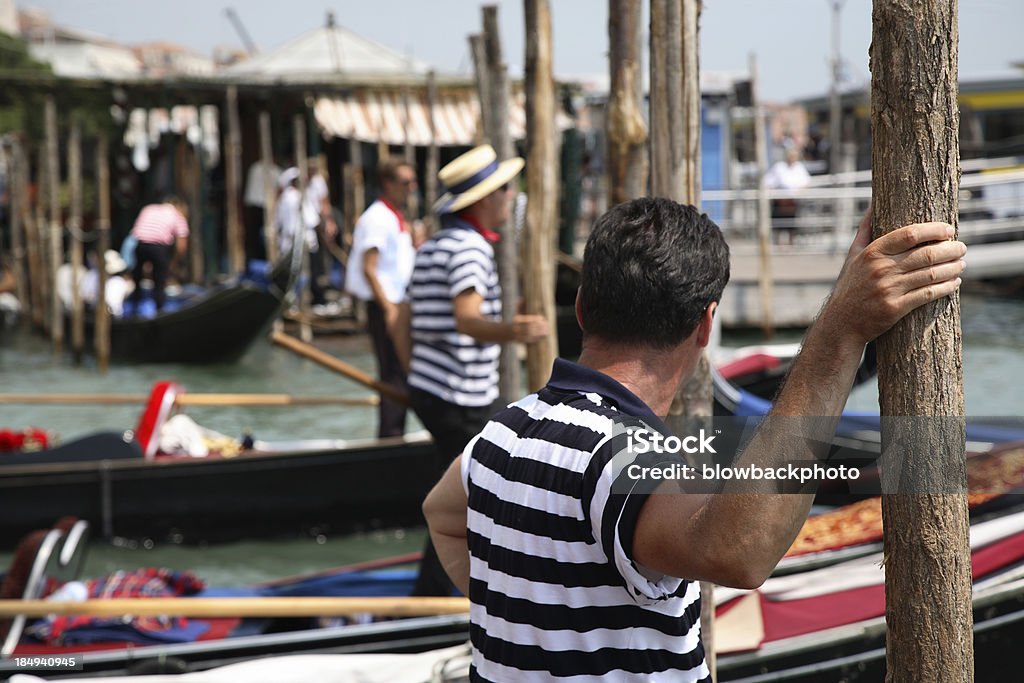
(827, 624)
(124, 647)
(315, 487)
(210, 326)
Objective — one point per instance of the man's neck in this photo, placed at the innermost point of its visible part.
(652, 375)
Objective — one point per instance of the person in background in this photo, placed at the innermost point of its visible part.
(255, 201)
(454, 314)
(576, 565)
(789, 174)
(161, 234)
(318, 215)
(380, 267)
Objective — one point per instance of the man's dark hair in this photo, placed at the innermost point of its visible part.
(388, 169)
(650, 269)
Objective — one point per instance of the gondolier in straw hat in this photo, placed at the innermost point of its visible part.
(454, 312)
(574, 568)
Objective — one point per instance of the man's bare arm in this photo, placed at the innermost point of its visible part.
(740, 537)
(445, 510)
(468, 320)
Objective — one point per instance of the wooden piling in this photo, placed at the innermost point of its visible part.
(408, 149)
(75, 231)
(675, 173)
(101, 333)
(494, 92)
(197, 262)
(18, 202)
(41, 313)
(433, 152)
(627, 132)
(269, 188)
(542, 189)
(302, 163)
(916, 173)
(355, 151)
(56, 226)
(232, 178)
(766, 282)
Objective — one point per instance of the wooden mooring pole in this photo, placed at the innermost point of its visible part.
(915, 122)
(232, 179)
(56, 225)
(18, 203)
(766, 283)
(627, 132)
(77, 248)
(542, 182)
(102, 332)
(433, 152)
(675, 173)
(269, 188)
(42, 239)
(494, 91)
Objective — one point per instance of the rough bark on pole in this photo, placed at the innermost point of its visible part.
(17, 208)
(232, 178)
(102, 323)
(766, 283)
(675, 173)
(42, 235)
(494, 91)
(56, 227)
(541, 190)
(408, 149)
(302, 163)
(433, 153)
(915, 121)
(355, 153)
(195, 242)
(30, 221)
(75, 229)
(269, 188)
(627, 132)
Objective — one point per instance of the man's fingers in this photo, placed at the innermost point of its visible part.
(933, 275)
(932, 255)
(923, 295)
(906, 238)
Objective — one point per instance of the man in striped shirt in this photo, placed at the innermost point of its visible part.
(161, 231)
(575, 572)
(454, 313)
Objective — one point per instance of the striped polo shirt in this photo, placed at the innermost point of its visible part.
(555, 593)
(453, 366)
(159, 224)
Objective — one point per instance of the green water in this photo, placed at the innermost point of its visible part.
(993, 372)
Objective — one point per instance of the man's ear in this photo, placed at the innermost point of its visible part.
(706, 322)
(579, 310)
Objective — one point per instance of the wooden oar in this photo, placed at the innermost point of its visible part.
(192, 399)
(328, 361)
(238, 607)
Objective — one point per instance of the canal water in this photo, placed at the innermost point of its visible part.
(993, 372)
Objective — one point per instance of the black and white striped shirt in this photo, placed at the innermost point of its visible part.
(554, 591)
(453, 366)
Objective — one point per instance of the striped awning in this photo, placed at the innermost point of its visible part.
(384, 117)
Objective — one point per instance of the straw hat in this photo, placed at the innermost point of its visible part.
(287, 177)
(473, 176)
